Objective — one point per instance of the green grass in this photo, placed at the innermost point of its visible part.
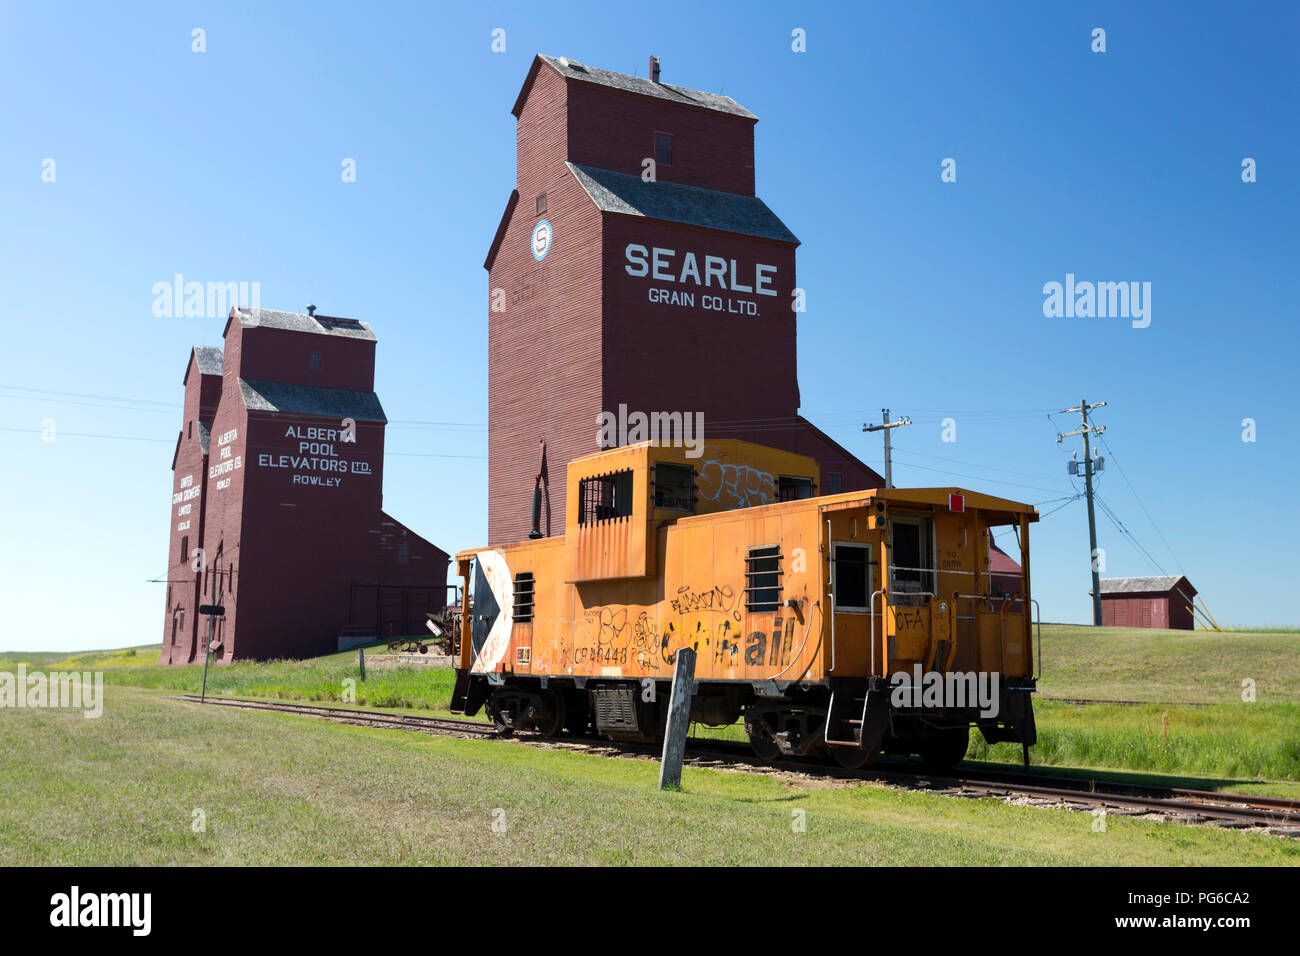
(1115, 663)
(1255, 746)
(320, 679)
(123, 789)
(1243, 743)
(33, 659)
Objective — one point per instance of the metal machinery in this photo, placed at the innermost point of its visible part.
(845, 624)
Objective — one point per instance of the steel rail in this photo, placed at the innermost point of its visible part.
(350, 714)
(1221, 807)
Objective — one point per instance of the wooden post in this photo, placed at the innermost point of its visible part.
(361, 656)
(679, 719)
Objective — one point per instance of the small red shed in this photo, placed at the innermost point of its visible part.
(1160, 602)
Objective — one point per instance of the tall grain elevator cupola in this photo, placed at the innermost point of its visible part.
(634, 270)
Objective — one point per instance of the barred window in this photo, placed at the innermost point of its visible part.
(524, 597)
(675, 487)
(605, 497)
(763, 577)
(794, 489)
(834, 482)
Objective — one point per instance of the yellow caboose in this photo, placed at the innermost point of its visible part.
(845, 624)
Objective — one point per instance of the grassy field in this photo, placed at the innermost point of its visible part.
(1224, 743)
(1115, 663)
(1102, 663)
(129, 788)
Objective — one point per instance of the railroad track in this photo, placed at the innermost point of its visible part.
(352, 715)
(1081, 701)
(1237, 810)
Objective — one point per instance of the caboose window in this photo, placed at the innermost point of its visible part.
(605, 498)
(851, 577)
(834, 482)
(763, 574)
(911, 556)
(524, 597)
(794, 489)
(675, 487)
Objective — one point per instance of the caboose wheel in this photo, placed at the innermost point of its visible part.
(764, 747)
(944, 749)
(549, 722)
(498, 720)
(854, 758)
(577, 714)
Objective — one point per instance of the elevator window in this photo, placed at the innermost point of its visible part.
(663, 149)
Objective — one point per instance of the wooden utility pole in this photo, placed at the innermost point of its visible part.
(679, 719)
(1087, 430)
(887, 427)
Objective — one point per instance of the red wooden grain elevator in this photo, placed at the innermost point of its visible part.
(278, 481)
(634, 266)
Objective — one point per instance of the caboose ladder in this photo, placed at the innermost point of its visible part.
(858, 712)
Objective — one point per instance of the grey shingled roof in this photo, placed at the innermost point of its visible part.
(310, 400)
(299, 322)
(572, 69)
(630, 195)
(209, 358)
(1140, 585)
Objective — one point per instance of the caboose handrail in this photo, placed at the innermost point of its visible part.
(899, 567)
(883, 605)
(830, 556)
(1038, 654)
(872, 615)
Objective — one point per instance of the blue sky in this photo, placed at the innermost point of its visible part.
(923, 296)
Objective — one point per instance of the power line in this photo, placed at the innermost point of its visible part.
(38, 431)
(1122, 529)
(251, 448)
(111, 398)
(1124, 475)
(974, 464)
(993, 481)
(1066, 501)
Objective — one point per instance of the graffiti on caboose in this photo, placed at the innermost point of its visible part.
(733, 486)
(707, 620)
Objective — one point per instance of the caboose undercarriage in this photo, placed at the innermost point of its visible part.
(852, 721)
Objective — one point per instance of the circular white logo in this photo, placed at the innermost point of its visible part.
(541, 240)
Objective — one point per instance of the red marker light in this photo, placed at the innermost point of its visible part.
(956, 502)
